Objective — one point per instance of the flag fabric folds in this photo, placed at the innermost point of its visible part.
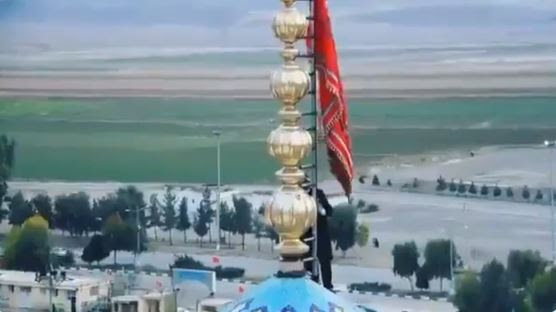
(333, 105)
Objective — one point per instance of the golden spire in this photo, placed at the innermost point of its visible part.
(291, 210)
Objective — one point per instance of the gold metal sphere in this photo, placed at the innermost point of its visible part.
(291, 212)
(289, 145)
(290, 84)
(289, 3)
(290, 25)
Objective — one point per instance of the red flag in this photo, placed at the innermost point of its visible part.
(241, 288)
(215, 260)
(333, 105)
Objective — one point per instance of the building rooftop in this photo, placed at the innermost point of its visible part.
(20, 278)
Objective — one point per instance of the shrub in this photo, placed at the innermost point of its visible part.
(461, 188)
(539, 195)
(186, 262)
(441, 184)
(509, 192)
(472, 189)
(526, 194)
(453, 186)
(496, 192)
(369, 209)
(376, 181)
(484, 190)
(370, 287)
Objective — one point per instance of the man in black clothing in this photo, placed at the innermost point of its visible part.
(324, 245)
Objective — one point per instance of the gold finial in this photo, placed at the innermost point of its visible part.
(291, 210)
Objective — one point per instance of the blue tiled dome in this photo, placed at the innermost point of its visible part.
(290, 295)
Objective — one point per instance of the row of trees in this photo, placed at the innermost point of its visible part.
(436, 263)
(484, 190)
(525, 285)
(7, 159)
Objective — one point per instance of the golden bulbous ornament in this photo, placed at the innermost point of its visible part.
(290, 84)
(289, 145)
(291, 212)
(290, 25)
(289, 3)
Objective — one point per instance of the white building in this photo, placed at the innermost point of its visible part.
(21, 291)
(150, 302)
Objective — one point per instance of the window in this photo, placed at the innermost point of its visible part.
(93, 291)
(24, 289)
(11, 287)
(56, 292)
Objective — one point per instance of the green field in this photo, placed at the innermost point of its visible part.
(169, 140)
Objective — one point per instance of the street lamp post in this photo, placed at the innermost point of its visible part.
(217, 133)
(551, 145)
(138, 233)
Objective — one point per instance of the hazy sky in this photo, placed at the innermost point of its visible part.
(84, 23)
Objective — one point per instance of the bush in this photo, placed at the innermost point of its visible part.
(370, 287)
(539, 195)
(441, 184)
(389, 183)
(472, 189)
(376, 181)
(526, 194)
(509, 192)
(461, 188)
(496, 192)
(229, 272)
(484, 190)
(186, 262)
(453, 186)
(369, 209)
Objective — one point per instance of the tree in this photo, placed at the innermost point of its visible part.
(509, 192)
(472, 189)
(243, 218)
(453, 188)
(119, 235)
(389, 182)
(96, 250)
(539, 196)
(169, 211)
(200, 226)
(484, 190)
(468, 293)
(406, 258)
(441, 184)
(43, 205)
(437, 258)
(7, 159)
(496, 192)
(523, 266)
(183, 223)
(73, 213)
(495, 288)
(542, 290)
(259, 228)
(28, 248)
(362, 235)
(525, 193)
(376, 181)
(461, 188)
(154, 215)
(227, 221)
(342, 226)
(422, 277)
(20, 209)
(210, 213)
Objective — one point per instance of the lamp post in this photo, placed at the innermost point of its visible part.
(217, 134)
(551, 145)
(138, 236)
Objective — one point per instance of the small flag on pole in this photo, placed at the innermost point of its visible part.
(241, 288)
(215, 260)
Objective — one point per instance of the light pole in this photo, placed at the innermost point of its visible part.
(551, 145)
(217, 134)
(138, 233)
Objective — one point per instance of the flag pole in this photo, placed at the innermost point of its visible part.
(314, 111)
